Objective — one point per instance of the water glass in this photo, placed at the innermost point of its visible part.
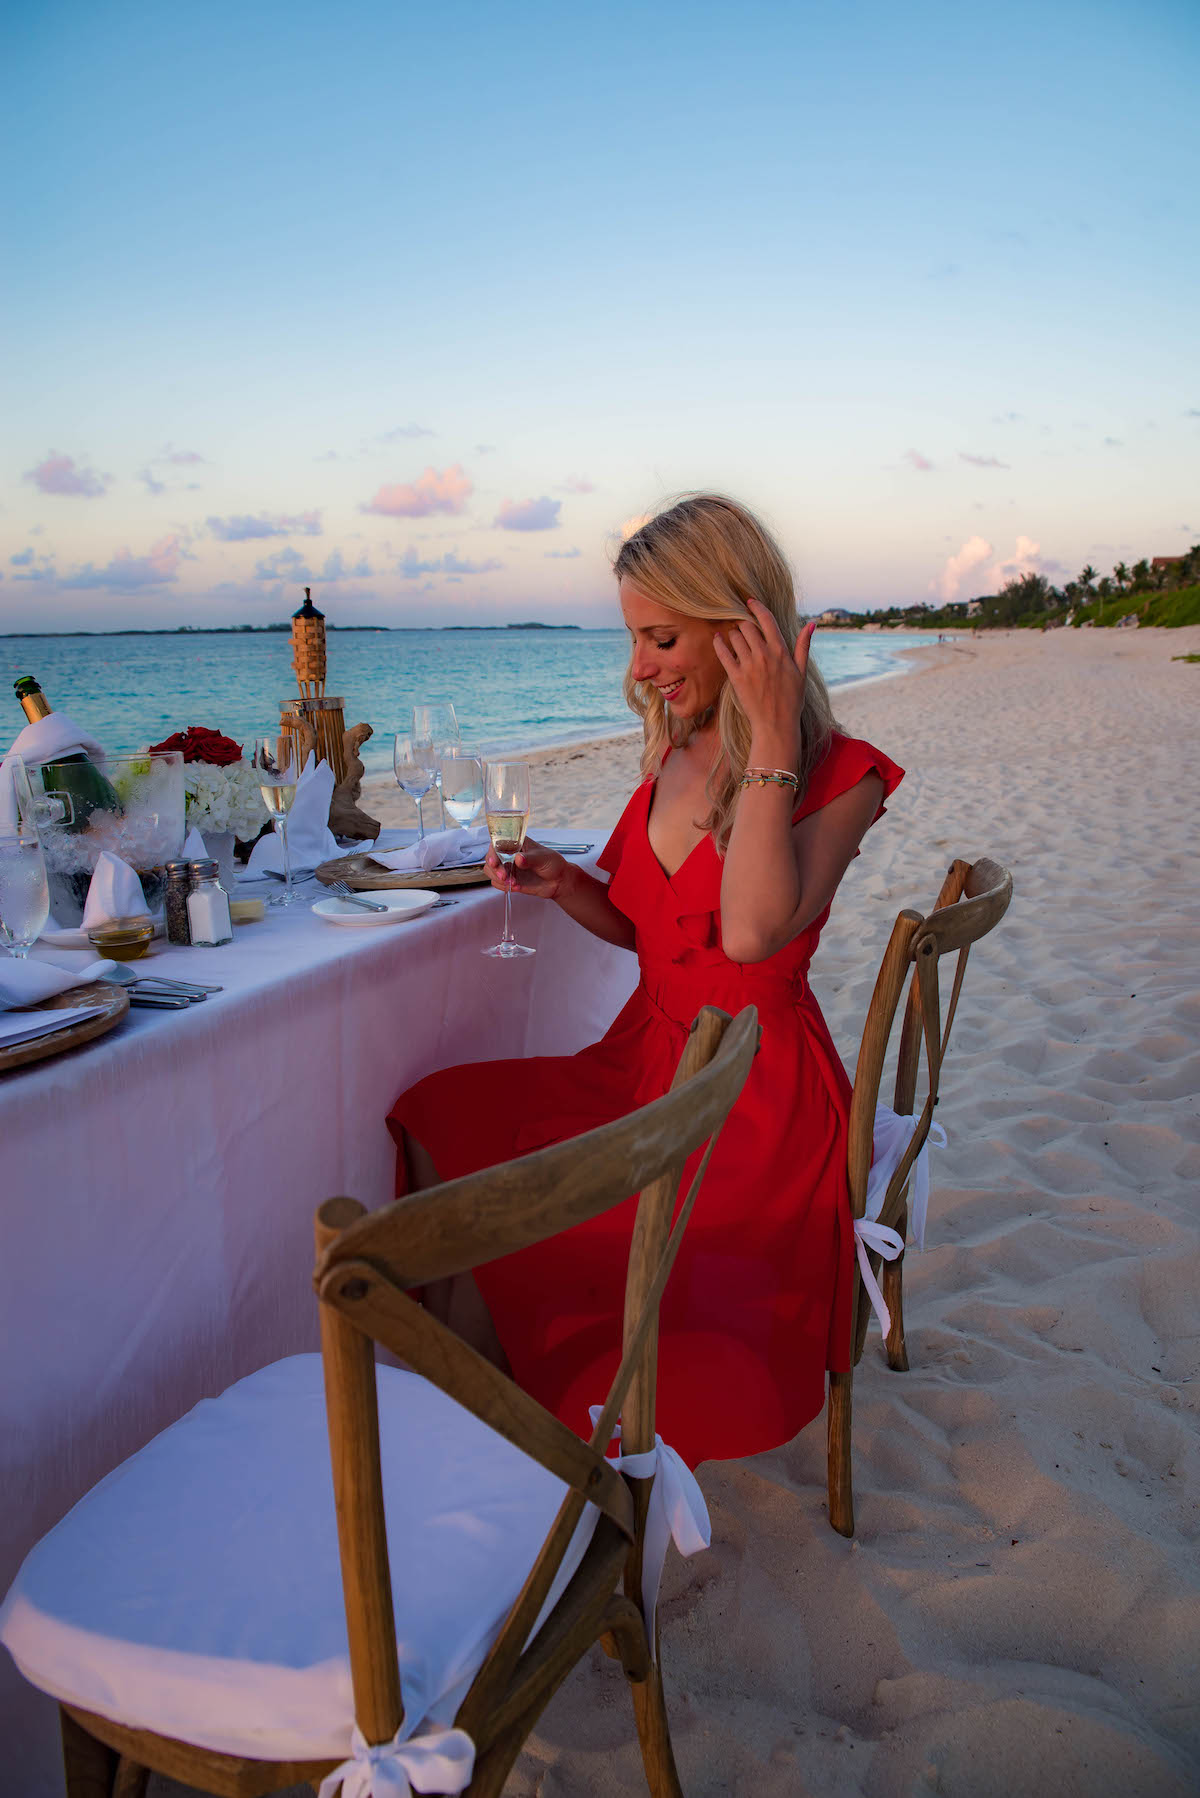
(435, 733)
(461, 779)
(416, 772)
(24, 892)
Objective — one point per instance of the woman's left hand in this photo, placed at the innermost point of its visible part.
(768, 679)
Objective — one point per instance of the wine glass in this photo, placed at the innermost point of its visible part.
(435, 728)
(416, 772)
(276, 764)
(24, 892)
(462, 788)
(506, 805)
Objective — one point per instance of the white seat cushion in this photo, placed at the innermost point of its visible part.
(196, 1591)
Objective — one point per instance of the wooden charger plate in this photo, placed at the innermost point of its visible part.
(363, 875)
(115, 1001)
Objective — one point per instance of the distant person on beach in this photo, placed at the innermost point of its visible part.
(723, 866)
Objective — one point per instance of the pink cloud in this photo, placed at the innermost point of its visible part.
(430, 492)
(1025, 559)
(528, 514)
(916, 460)
(579, 483)
(242, 527)
(974, 551)
(63, 475)
(126, 572)
(982, 461)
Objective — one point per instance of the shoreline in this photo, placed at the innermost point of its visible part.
(594, 794)
(1020, 1605)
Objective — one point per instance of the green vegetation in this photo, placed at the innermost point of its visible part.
(1165, 591)
(1191, 658)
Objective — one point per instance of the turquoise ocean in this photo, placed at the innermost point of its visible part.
(512, 689)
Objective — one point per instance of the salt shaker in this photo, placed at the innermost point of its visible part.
(178, 881)
(208, 907)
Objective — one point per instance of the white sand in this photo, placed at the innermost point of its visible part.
(1019, 1610)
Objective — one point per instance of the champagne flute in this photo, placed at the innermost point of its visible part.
(462, 788)
(24, 892)
(435, 728)
(506, 804)
(276, 765)
(415, 773)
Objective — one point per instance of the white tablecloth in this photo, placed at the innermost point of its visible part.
(159, 1184)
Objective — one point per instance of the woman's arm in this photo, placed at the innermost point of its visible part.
(542, 873)
(778, 876)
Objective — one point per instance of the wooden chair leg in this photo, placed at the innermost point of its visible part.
(892, 1287)
(654, 1735)
(132, 1779)
(90, 1767)
(837, 1442)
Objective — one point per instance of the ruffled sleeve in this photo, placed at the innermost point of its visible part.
(845, 763)
(609, 857)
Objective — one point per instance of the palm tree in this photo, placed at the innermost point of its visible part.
(1140, 575)
(1121, 576)
(1086, 577)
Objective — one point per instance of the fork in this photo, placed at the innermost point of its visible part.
(340, 890)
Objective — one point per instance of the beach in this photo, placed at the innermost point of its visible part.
(1019, 1609)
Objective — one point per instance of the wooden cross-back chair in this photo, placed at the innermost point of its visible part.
(367, 1263)
(973, 899)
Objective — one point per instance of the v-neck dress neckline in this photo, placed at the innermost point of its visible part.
(758, 1304)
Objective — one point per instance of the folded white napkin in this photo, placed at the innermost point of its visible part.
(29, 982)
(52, 737)
(310, 840)
(194, 847)
(115, 892)
(26, 1026)
(440, 849)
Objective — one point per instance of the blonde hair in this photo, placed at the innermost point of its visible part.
(706, 557)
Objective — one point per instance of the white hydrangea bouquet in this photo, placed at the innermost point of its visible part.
(221, 790)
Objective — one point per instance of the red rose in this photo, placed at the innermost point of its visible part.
(199, 744)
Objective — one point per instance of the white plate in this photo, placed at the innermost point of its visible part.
(401, 903)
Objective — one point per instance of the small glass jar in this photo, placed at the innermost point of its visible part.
(179, 880)
(208, 907)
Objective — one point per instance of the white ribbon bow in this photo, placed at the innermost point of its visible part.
(892, 1137)
(677, 1513)
(441, 1760)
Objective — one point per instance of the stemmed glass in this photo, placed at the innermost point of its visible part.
(24, 893)
(276, 764)
(416, 773)
(506, 802)
(462, 788)
(435, 731)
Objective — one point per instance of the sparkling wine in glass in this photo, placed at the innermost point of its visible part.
(24, 893)
(506, 807)
(462, 788)
(276, 764)
(416, 772)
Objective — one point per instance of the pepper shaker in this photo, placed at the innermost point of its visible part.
(178, 882)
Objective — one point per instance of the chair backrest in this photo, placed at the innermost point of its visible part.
(367, 1262)
(973, 899)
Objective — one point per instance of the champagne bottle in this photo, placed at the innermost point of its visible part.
(74, 777)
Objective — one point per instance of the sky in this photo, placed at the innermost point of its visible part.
(421, 305)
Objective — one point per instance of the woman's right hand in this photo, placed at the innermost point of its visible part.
(537, 871)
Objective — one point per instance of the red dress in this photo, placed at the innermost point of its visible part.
(758, 1304)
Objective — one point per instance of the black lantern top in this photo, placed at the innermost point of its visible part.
(308, 610)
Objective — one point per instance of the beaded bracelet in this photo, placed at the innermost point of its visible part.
(779, 777)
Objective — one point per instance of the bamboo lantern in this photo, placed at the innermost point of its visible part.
(322, 714)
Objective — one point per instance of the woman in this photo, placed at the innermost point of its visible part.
(722, 866)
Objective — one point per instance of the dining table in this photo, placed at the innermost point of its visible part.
(160, 1181)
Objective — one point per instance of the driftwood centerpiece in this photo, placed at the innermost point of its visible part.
(346, 819)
